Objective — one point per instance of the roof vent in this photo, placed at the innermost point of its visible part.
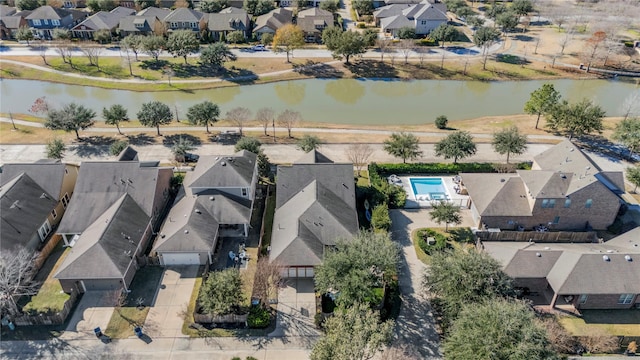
(211, 198)
(503, 180)
(223, 163)
(610, 251)
(563, 176)
(198, 211)
(538, 254)
(628, 258)
(186, 231)
(605, 258)
(547, 248)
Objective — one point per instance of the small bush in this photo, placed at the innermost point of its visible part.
(55, 149)
(117, 147)
(361, 25)
(266, 39)
(441, 122)
(440, 244)
(258, 318)
(380, 219)
(427, 42)
(236, 37)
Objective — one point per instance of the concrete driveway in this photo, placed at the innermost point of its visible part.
(94, 310)
(164, 319)
(296, 310)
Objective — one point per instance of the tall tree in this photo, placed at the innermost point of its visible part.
(182, 43)
(239, 116)
(343, 43)
(445, 212)
(180, 149)
(359, 155)
(152, 45)
(354, 268)
(17, 270)
(205, 113)
(212, 6)
(72, 117)
(631, 105)
(508, 21)
(542, 101)
(509, 141)
(633, 175)
(266, 116)
(406, 47)
(458, 145)
(484, 37)
(627, 132)
(289, 119)
(288, 38)
(444, 32)
(403, 145)
(135, 43)
(331, 6)
(308, 143)
(498, 329)
(593, 47)
(115, 115)
(363, 7)
(220, 293)
(154, 114)
(366, 334)
(28, 4)
(216, 55)
(576, 119)
(24, 34)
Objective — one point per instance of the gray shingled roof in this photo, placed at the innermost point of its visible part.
(497, 194)
(49, 13)
(103, 20)
(309, 18)
(49, 175)
(100, 185)
(313, 157)
(229, 19)
(128, 23)
(425, 11)
(154, 11)
(184, 14)
(223, 171)
(107, 247)
(390, 10)
(396, 22)
(7, 10)
(274, 19)
(23, 209)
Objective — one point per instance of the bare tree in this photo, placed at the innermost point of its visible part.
(631, 105)
(93, 54)
(558, 16)
(593, 47)
(422, 54)
(63, 48)
(124, 50)
(359, 155)
(239, 116)
(406, 47)
(17, 269)
(383, 45)
(564, 41)
(266, 116)
(267, 278)
(289, 119)
(42, 51)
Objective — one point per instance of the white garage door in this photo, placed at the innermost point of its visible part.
(181, 258)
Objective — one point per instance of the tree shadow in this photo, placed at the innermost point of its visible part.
(141, 139)
(512, 59)
(524, 38)
(317, 70)
(170, 140)
(88, 150)
(372, 69)
(239, 76)
(601, 145)
(152, 64)
(98, 140)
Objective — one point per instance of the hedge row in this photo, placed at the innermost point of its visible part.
(378, 170)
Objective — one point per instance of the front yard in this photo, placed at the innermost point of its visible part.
(614, 322)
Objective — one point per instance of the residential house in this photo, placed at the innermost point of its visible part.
(33, 199)
(424, 17)
(313, 21)
(115, 209)
(146, 22)
(184, 19)
(73, 4)
(216, 201)
(315, 206)
(228, 20)
(564, 190)
(154, 11)
(272, 21)
(578, 276)
(11, 20)
(45, 19)
(102, 20)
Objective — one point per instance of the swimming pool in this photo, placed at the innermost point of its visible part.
(428, 188)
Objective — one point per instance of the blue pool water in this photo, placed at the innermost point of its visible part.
(433, 187)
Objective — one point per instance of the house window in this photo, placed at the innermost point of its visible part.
(588, 203)
(545, 203)
(45, 22)
(583, 299)
(244, 192)
(65, 200)
(556, 220)
(55, 22)
(552, 203)
(54, 213)
(44, 230)
(625, 299)
(36, 21)
(174, 25)
(423, 22)
(194, 25)
(567, 203)
(548, 203)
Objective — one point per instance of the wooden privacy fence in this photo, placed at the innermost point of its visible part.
(536, 236)
(47, 249)
(220, 319)
(49, 319)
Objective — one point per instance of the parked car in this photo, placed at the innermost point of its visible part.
(258, 48)
(191, 157)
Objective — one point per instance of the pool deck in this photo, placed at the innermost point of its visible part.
(423, 201)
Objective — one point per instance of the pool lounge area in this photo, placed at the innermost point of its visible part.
(422, 190)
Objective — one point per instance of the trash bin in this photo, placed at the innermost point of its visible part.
(138, 331)
(97, 331)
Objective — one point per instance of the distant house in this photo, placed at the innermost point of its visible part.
(424, 17)
(580, 276)
(11, 20)
(228, 20)
(184, 19)
(313, 21)
(215, 201)
(146, 22)
(564, 190)
(33, 199)
(46, 18)
(315, 206)
(102, 20)
(272, 21)
(115, 209)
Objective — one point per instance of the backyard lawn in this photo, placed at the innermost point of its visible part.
(457, 238)
(50, 297)
(614, 322)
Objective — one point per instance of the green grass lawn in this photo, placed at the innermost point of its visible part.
(363, 178)
(124, 320)
(614, 322)
(50, 297)
(459, 238)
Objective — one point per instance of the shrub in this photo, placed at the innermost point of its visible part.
(427, 42)
(55, 149)
(266, 39)
(235, 37)
(380, 219)
(117, 147)
(259, 317)
(441, 122)
(440, 244)
(361, 25)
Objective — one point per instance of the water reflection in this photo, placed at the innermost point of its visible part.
(346, 91)
(290, 92)
(398, 88)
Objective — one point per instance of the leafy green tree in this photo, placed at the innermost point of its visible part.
(205, 113)
(154, 114)
(135, 43)
(627, 132)
(498, 329)
(354, 268)
(465, 11)
(236, 37)
(403, 145)
(343, 43)
(102, 5)
(216, 55)
(633, 175)
(24, 34)
(263, 7)
(508, 21)
(55, 149)
(494, 11)
(361, 326)
(250, 6)
(72, 117)
(143, 4)
(484, 37)
(330, 5)
(287, 39)
(152, 45)
(444, 32)
(266, 39)
(182, 43)
(221, 292)
(380, 219)
(576, 119)
(180, 149)
(461, 277)
(445, 212)
(458, 145)
(370, 36)
(213, 6)
(363, 7)
(542, 101)
(454, 5)
(117, 147)
(441, 122)
(27, 4)
(394, 196)
(264, 165)
(475, 21)
(115, 115)
(522, 7)
(407, 32)
(102, 36)
(509, 141)
(250, 144)
(308, 142)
